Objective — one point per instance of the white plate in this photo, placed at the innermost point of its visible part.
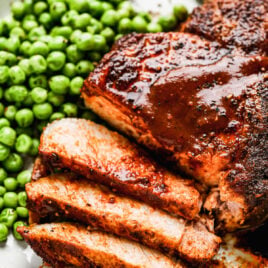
(15, 254)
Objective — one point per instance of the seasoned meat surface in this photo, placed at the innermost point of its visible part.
(106, 157)
(209, 117)
(233, 23)
(63, 196)
(61, 244)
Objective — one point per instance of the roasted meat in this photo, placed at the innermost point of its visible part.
(64, 196)
(233, 23)
(209, 116)
(106, 157)
(61, 244)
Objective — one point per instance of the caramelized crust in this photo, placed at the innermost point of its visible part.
(233, 23)
(61, 196)
(210, 118)
(106, 157)
(62, 244)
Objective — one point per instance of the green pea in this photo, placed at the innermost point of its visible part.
(38, 64)
(13, 163)
(3, 175)
(24, 64)
(56, 60)
(18, 10)
(41, 125)
(45, 39)
(10, 112)
(89, 115)
(34, 149)
(22, 199)
(10, 184)
(64, 31)
(40, 7)
(118, 36)
(2, 41)
(4, 74)
(16, 75)
(3, 229)
(99, 42)
(59, 84)
(39, 95)
(56, 116)
(69, 70)
(1, 95)
(39, 48)
(125, 25)
(1, 202)
(95, 8)
(139, 24)
(12, 44)
(75, 36)
(10, 201)
(22, 212)
(10, 58)
(36, 33)
(28, 25)
(123, 13)
(42, 111)
(25, 48)
(2, 109)
(84, 67)
(154, 27)
(106, 6)
(58, 43)
(167, 22)
(55, 99)
(180, 12)
(24, 177)
(23, 144)
(4, 123)
(38, 81)
(82, 21)
(24, 117)
(28, 6)
(18, 93)
(68, 18)
(18, 32)
(10, 23)
(4, 152)
(109, 18)
(85, 42)
(28, 101)
(109, 34)
(96, 25)
(7, 136)
(57, 9)
(46, 20)
(15, 226)
(76, 85)
(70, 109)
(79, 5)
(2, 191)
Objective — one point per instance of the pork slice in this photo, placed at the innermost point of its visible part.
(63, 196)
(61, 244)
(106, 157)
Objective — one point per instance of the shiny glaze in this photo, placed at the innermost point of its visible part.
(189, 104)
(233, 23)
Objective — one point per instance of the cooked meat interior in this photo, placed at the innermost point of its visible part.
(106, 157)
(233, 23)
(62, 244)
(209, 117)
(63, 196)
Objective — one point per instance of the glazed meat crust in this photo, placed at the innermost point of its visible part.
(62, 244)
(63, 196)
(233, 23)
(209, 117)
(106, 157)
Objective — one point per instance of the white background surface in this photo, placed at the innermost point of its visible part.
(15, 254)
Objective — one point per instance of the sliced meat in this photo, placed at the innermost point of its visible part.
(61, 244)
(233, 23)
(208, 117)
(105, 156)
(62, 196)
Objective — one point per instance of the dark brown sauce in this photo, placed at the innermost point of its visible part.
(190, 102)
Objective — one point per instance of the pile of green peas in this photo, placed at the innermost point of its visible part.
(47, 48)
